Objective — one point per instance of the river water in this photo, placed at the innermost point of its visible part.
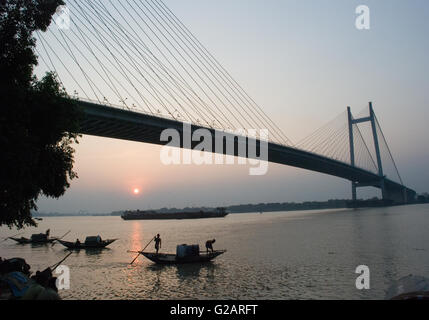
(283, 255)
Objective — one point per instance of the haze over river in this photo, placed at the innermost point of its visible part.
(283, 255)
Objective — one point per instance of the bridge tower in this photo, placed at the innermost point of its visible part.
(371, 118)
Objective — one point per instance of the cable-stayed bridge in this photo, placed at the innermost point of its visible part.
(137, 70)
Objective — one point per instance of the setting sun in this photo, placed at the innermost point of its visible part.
(136, 191)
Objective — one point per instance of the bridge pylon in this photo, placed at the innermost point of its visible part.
(381, 181)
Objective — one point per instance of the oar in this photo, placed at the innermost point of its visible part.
(142, 250)
(55, 241)
(57, 264)
(4, 239)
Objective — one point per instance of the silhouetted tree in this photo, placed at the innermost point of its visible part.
(37, 124)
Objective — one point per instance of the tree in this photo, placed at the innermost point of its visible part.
(38, 124)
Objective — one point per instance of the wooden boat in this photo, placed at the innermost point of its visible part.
(87, 245)
(23, 240)
(162, 258)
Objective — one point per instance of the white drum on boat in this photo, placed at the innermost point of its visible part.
(181, 250)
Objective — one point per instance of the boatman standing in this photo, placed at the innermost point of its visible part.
(157, 243)
(209, 245)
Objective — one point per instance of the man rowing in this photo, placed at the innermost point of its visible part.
(209, 245)
(157, 240)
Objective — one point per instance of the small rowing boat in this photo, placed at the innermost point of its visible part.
(39, 238)
(161, 258)
(23, 240)
(90, 243)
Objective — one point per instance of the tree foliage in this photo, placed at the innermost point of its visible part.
(38, 124)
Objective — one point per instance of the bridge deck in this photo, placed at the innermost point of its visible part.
(105, 121)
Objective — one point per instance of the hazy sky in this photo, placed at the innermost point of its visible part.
(304, 62)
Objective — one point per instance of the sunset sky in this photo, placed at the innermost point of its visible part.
(304, 62)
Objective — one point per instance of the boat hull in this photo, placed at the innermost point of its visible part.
(29, 241)
(74, 246)
(173, 259)
(369, 204)
(144, 215)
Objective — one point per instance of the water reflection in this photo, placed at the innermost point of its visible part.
(42, 247)
(136, 241)
(375, 244)
(97, 251)
(160, 279)
(186, 272)
(89, 251)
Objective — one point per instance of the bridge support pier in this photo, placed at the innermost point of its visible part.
(381, 183)
(354, 191)
(352, 150)
(400, 196)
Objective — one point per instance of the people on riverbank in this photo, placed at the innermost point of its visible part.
(16, 282)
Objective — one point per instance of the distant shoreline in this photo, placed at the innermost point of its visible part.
(242, 208)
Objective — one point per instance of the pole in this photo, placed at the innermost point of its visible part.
(4, 239)
(57, 264)
(55, 241)
(142, 250)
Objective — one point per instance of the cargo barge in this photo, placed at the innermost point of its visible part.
(372, 203)
(156, 215)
